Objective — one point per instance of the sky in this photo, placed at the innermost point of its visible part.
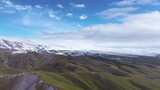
(83, 24)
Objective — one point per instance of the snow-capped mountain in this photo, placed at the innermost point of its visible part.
(20, 46)
(16, 46)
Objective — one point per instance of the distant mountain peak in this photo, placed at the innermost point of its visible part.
(20, 46)
(23, 46)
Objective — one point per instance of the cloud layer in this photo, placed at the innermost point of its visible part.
(136, 31)
(121, 25)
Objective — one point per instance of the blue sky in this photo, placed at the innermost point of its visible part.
(109, 23)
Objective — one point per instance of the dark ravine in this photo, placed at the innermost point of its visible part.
(23, 81)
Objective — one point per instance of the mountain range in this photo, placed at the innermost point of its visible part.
(30, 66)
(19, 46)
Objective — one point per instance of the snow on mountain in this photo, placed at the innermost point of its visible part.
(23, 46)
(20, 46)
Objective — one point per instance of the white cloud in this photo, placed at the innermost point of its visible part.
(78, 5)
(117, 12)
(53, 15)
(19, 7)
(60, 6)
(41, 23)
(83, 17)
(138, 31)
(136, 2)
(69, 14)
(11, 7)
(9, 4)
(38, 6)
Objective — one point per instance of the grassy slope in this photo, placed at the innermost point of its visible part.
(98, 81)
(85, 73)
